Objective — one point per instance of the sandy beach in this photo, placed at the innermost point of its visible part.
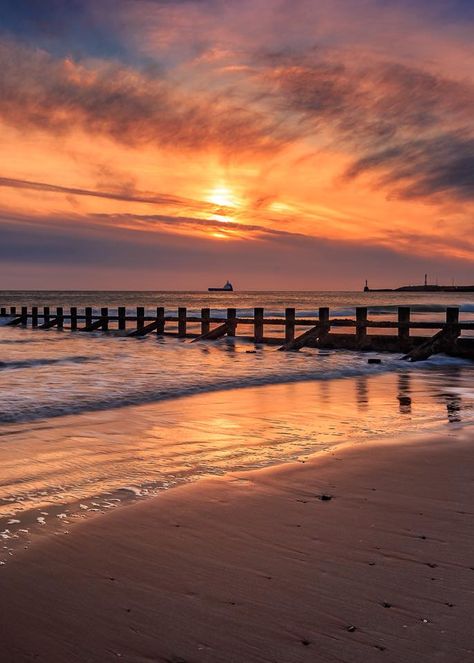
(260, 566)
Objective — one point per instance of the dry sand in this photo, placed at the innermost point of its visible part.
(256, 567)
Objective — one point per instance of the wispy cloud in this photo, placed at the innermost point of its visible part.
(136, 108)
(409, 126)
(129, 195)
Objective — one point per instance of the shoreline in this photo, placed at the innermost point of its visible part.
(90, 463)
(285, 575)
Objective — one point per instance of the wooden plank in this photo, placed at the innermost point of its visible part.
(15, 322)
(443, 341)
(93, 326)
(258, 317)
(51, 322)
(290, 316)
(143, 331)
(303, 339)
(213, 334)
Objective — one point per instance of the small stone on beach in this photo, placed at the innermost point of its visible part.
(404, 400)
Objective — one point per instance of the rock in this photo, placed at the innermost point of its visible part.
(374, 360)
(351, 628)
(325, 498)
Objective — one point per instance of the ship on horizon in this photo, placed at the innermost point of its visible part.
(426, 287)
(226, 288)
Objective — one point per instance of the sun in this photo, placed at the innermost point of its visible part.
(223, 196)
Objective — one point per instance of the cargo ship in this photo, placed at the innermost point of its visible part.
(226, 288)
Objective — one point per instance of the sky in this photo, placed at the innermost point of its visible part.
(281, 144)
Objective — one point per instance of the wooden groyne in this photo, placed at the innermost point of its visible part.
(289, 332)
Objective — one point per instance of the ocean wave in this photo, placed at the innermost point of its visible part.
(110, 398)
(32, 363)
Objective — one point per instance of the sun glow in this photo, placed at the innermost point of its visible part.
(218, 235)
(222, 196)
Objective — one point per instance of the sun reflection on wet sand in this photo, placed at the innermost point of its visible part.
(66, 468)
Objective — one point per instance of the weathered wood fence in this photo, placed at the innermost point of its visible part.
(319, 331)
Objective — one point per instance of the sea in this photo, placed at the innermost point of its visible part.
(92, 422)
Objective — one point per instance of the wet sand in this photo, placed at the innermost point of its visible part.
(256, 567)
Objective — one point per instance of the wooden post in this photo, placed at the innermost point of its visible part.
(258, 324)
(452, 323)
(24, 316)
(140, 317)
(34, 316)
(88, 316)
(60, 317)
(324, 323)
(231, 321)
(45, 314)
(289, 324)
(182, 321)
(205, 315)
(104, 313)
(452, 316)
(3, 310)
(160, 319)
(361, 322)
(403, 328)
(12, 310)
(122, 323)
(73, 318)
